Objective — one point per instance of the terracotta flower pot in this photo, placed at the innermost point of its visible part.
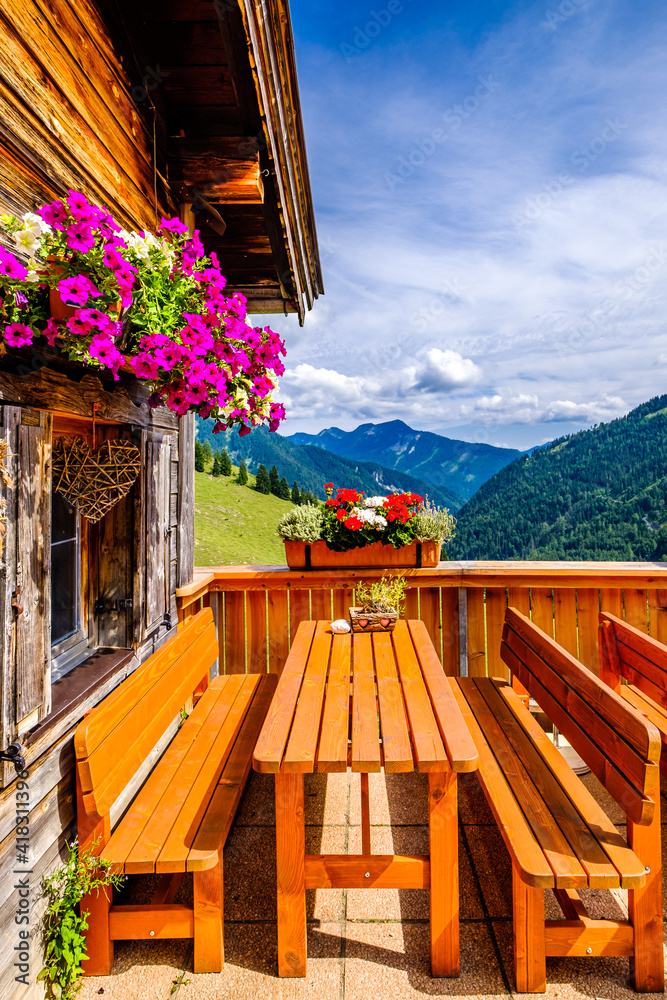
(60, 311)
(301, 555)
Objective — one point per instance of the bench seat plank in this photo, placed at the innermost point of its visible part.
(554, 784)
(131, 827)
(623, 858)
(515, 830)
(141, 834)
(561, 857)
(174, 855)
(654, 713)
(217, 820)
(365, 728)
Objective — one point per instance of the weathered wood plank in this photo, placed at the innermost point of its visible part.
(235, 637)
(278, 637)
(476, 633)
(636, 608)
(33, 531)
(588, 608)
(450, 630)
(565, 619)
(496, 603)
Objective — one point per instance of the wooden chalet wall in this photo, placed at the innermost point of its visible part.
(67, 114)
(68, 120)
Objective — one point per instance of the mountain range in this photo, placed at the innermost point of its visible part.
(461, 466)
(596, 495)
(313, 467)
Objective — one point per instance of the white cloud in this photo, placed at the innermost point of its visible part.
(526, 409)
(443, 371)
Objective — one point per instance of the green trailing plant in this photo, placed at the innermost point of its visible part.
(385, 594)
(302, 524)
(433, 524)
(64, 924)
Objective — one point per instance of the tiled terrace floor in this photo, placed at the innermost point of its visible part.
(362, 944)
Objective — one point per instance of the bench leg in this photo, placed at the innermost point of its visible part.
(444, 860)
(208, 920)
(645, 907)
(530, 963)
(291, 862)
(99, 946)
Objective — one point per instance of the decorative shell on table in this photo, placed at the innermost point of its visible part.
(94, 482)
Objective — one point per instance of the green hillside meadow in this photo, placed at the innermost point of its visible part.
(235, 525)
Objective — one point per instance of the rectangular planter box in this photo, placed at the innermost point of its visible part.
(317, 555)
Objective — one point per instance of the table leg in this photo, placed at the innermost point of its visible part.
(365, 815)
(444, 847)
(290, 858)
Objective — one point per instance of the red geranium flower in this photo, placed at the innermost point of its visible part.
(328, 486)
(353, 523)
(341, 514)
(348, 496)
(331, 502)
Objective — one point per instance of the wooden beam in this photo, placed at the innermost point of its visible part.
(363, 871)
(219, 172)
(589, 937)
(170, 920)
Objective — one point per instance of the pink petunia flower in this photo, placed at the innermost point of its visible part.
(18, 335)
(105, 351)
(145, 366)
(54, 215)
(78, 325)
(76, 291)
(51, 332)
(174, 226)
(80, 237)
(10, 267)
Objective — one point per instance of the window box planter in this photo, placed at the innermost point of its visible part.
(317, 555)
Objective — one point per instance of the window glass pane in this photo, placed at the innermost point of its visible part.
(63, 519)
(64, 571)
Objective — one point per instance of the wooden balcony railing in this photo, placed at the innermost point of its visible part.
(258, 608)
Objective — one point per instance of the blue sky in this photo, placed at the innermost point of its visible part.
(490, 187)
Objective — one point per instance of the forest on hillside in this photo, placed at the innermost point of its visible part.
(596, 495)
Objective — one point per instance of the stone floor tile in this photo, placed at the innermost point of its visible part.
(406, 904)
(492, 867)
(258, 805)
(325, 799)
(250, 874)
(601, 795)
(473, 807)
(572, 978)
(392, 962)
(395, 799)
(251, 973)
(145, 969)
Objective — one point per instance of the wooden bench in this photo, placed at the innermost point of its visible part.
(557, 835)
(180, 818)
(630, 655)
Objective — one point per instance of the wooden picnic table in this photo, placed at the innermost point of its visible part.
(365, 701)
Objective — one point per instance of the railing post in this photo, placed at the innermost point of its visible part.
(463, 631)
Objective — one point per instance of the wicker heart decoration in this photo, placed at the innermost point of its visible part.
(94, 482)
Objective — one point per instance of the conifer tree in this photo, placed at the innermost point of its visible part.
(284, 490)
(199, 457)
(296, 494)
(274, 480)
(208, 451)
(225, 463)
(215, 471)
(263, 483)
(242, 478)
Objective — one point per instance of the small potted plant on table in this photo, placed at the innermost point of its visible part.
(379, 605)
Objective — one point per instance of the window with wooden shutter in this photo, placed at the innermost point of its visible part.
(159, 582)
(33, 577)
